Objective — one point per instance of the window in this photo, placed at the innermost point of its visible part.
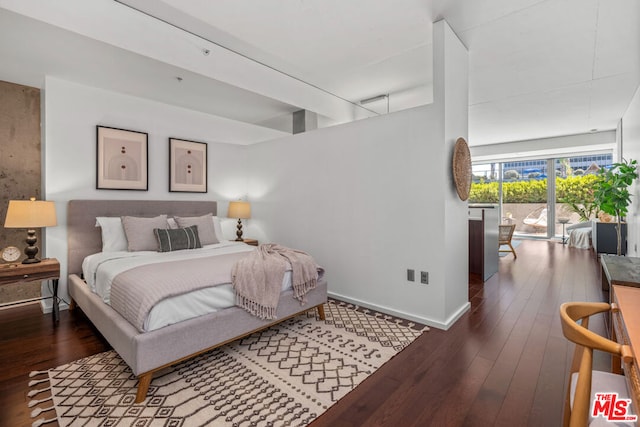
(529, 199)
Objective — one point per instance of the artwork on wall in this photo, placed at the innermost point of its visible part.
(122, 159)
(187, 166)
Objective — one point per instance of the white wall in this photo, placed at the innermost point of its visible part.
(372, 198)
(631, 150)
(71, 113)
(451, 77)
(359, 197)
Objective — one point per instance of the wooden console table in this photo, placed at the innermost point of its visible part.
(47, 269)
(619, 270)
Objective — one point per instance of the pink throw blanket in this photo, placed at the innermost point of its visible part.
(257, 278)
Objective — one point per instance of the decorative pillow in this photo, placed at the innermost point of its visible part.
(177, 239)
(139, 232)
(206, 230)
(172, 223)
(113, 237)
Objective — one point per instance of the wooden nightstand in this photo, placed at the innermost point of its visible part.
(47, 269)
(252, 242)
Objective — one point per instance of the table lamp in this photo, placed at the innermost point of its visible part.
(30, 214)
(240, 210)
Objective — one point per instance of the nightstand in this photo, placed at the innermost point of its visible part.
(252, 242)
(47, 269)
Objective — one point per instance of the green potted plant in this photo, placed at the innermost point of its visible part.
(576, 192)
(585, 208)
(612, 192)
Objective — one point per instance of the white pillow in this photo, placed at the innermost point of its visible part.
(113, 237)
(217, 228)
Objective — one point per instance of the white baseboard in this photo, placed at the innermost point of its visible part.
(414, 318)
(458, 314)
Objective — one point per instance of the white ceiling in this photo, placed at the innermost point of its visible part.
(538, 68)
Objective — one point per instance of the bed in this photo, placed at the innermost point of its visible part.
(151, 351)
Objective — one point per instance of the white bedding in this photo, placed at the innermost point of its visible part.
(580, 238)
(100, 269)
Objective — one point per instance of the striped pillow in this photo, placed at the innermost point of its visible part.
(177, 239)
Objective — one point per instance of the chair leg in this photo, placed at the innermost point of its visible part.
(513, 250)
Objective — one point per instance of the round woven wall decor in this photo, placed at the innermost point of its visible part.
(462, 168)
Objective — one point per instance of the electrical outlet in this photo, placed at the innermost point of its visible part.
(424, 277)
(411, 275)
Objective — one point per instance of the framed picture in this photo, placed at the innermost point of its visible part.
(187, 166)
(122, 159)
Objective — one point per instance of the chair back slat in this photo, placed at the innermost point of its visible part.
(505, 232)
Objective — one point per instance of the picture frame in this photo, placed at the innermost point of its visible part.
(122, 159)
(187, 166)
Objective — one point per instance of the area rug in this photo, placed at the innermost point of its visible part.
(286, 375)
(514, 243)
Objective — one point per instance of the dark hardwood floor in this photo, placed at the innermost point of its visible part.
(504, 363)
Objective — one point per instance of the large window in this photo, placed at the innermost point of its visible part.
(575, 177)
(537, 195)
(485, 187)
(525, 196)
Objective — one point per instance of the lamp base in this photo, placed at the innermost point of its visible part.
(239, 232)
(31, 250)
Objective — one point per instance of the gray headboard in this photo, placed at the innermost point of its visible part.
(84, 238)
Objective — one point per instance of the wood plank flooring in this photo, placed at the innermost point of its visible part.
(504, 363)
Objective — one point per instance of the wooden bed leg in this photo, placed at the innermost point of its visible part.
(72, 305)
(320, 309)
(144, 381)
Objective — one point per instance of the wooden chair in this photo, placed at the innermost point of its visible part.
(505, 233)
(584, 381)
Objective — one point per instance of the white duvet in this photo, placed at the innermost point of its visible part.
(100, 269)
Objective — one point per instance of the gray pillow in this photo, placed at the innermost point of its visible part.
(139, 232)
(177, 239)
(205, 227)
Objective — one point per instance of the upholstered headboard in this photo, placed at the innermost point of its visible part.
(84, 238)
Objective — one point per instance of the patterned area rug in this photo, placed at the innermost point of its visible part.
(286, 375)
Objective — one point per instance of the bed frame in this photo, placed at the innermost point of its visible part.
(149, 352)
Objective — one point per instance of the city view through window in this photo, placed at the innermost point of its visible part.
(526, 195)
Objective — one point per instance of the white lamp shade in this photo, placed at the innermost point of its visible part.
(30, 214)
(239, 209)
